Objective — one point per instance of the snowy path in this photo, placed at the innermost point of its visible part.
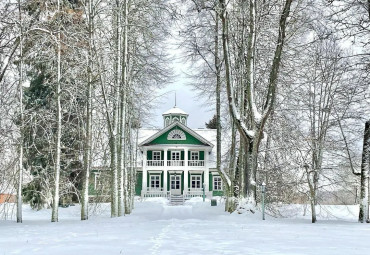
(155, 228)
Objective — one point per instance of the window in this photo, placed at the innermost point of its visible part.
(175, 119)
(97, 181)
(155, 181)
(183, 120)
(175, 155)
(156, 155)
(217, 183)
(167, 121)
(194, 155)
(176, 134)
(196, 181)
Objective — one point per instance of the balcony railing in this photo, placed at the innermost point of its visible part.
(175, 162)
(155, 192)
(196, 192)
(196, 162)
(155, 162)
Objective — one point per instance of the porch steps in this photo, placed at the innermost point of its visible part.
(177, 199)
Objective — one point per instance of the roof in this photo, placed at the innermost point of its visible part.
(175, 110)
(185, 128)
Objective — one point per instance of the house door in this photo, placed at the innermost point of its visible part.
(175, 184)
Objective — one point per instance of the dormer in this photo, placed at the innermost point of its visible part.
(175, 114)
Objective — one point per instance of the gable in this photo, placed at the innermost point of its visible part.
(175, 136)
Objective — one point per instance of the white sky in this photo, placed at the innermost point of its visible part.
(187, 99)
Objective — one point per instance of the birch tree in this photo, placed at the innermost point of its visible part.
(365, 168)
(88, 128)
(251, 124)
(20, 164)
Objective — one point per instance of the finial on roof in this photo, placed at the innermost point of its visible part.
(175, 98)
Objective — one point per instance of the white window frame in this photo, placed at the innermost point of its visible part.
(194, 153)
(173, 179)
(159, 183)
(196, 180)
(160, 155)
(173, 153)
(97, 183)
(176, 134)
(219, 183)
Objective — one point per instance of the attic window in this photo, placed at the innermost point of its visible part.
(176, 134)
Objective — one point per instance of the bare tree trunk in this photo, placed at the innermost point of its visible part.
(230, 196)
(123, 93)
(88, 134)
(20, 171)
(54, 216)
(252, 130)
(114, 140)
(365, 168)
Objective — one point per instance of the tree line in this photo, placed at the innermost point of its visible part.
(288, 81)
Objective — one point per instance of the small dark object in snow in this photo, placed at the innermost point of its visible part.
(213, 202)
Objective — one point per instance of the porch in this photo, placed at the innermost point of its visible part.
(187, 194)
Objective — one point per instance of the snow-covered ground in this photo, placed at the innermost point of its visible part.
(195, 228)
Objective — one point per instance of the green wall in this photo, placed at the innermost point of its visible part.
(139, 183)
(214, 192)
(163, 139)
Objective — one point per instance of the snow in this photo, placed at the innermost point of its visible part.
(175, 110)
(195, 228)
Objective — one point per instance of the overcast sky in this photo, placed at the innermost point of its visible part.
(187, 99)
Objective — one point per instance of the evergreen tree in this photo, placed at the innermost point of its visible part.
(212, 124)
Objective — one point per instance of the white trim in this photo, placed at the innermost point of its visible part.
(182, 126)
(176, 132)
(175, 171)
(96, 177)
(154, 171)
(196, 171)
(150, 181)
(195, 153)
(179, 180)
(191, 180)
(160, 155)
(213, 183)
(173, 152)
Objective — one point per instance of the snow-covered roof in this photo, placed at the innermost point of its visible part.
(175, 110)
(185, 128)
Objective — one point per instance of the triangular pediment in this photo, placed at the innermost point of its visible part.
(176, 133)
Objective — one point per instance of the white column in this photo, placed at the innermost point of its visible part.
(186, 170)
(145, 173)
(165, 170)
(206, 170)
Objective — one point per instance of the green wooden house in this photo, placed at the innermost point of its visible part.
(175, 160)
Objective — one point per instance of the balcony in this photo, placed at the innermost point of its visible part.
(196, 162)
(175, 162)
(155, 162)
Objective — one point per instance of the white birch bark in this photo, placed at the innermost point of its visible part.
(54, 215)
(252, 135)
(365, 168)
(20, 170)
(88, 134)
